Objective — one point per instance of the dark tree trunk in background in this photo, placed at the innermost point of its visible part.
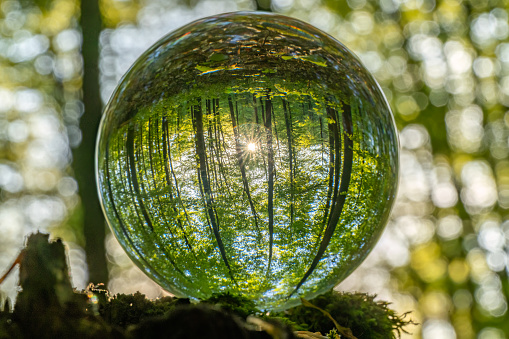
(263, 5)
(94, 224)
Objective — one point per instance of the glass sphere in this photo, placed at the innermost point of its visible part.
(248, 153)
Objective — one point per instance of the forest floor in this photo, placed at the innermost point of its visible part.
(48, 307)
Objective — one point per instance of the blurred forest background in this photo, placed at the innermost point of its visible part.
(443, 64)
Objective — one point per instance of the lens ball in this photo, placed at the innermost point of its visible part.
(248, 153)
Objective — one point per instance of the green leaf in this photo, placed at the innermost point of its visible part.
(316, 59)
(202, 68)
(218, 57)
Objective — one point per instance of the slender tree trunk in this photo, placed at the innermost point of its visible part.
(167, 161)
(109, 180)
(337, 208)
(153, 171)
(218, 147)
(288, 122)
(205, 182)
(333, 114)
(240, 161)
(270, 181)
(255, 110)
(133, 177)
(332, 147)
(93, 220)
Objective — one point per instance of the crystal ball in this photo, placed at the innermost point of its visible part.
(248, 153)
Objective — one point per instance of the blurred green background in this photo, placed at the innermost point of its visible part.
(443, 64)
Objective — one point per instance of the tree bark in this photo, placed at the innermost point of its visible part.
(83, 163)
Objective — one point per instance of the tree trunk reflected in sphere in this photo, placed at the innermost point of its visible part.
(249, 153)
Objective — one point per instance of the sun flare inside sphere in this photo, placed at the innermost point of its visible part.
(251, 147)
(248, 153)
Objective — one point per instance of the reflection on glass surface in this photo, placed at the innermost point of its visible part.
(249, 153)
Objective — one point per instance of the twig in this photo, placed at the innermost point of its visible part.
(16, 261)
(346, 332)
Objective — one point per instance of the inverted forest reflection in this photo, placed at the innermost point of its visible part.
(269, 188)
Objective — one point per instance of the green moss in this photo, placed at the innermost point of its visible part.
(359, 312)
(129, 309)
(238, 305)
(48, 308)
